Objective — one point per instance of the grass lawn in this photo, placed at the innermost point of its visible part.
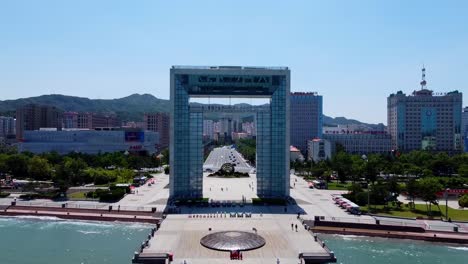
(419, 211)
(338, 186)
(77, 195)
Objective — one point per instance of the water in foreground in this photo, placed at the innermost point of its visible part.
(359, 250)
(53, 241)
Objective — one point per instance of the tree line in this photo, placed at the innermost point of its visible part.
(75, 168)
(417, 164)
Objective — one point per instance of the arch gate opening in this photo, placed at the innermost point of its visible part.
(272, 140)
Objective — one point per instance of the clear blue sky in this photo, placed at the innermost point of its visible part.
(354, 53)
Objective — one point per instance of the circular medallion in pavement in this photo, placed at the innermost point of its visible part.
(232, 240)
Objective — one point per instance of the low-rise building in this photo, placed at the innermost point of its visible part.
(238, 135)
(295, 154)
(89, 141)
(361, 143)
(318, 149)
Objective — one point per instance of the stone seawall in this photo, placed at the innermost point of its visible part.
(82, 214)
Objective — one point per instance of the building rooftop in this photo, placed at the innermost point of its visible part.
(293, 149)
(229, 67)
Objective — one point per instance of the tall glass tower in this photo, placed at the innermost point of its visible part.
(186, 150)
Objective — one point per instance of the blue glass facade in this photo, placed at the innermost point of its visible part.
(186, 148)
(306, 119)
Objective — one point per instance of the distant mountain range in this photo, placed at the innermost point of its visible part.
(130, 108)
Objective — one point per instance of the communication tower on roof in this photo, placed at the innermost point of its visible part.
(423, 77)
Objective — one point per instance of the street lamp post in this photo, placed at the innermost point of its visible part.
(446, 203)
(364, 157)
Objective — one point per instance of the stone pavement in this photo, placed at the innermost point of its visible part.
(181, 234)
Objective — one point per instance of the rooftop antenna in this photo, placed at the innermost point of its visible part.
(423, 77)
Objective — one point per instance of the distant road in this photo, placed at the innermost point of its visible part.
(222, 155)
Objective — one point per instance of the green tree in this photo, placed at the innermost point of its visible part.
(18, 165)
(428, 187)
(39, 168)
(379, 193)
(342, 164)
(412, 190)
(463, 170)
(71, 172)
(393, 188)
(165, 153)
(358, 168)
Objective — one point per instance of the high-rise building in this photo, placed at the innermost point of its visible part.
(96, 120)
(425, 120)
(70, 120)
(465, 128)
(34, 117)
(208, 129)
(306, 118)
(159, 122)
(89, 120)
(249, 128)
(7, 126)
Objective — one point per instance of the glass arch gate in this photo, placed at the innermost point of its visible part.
(186, 127)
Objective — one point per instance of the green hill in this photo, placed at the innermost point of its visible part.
(130, 108)
(127, 108)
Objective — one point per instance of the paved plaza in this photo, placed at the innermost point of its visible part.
(181, 234)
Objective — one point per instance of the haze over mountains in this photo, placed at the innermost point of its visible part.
(130, 108)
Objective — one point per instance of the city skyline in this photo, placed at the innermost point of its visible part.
(340, 50)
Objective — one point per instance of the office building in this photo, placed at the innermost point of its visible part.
(425, 120)
(33, 117)
(159, 122)
(318, 149)
(89, 120)
(465, 128)
(70, 120)
(89, 141)
(7, 126)
(306, 118)
(361, 143)
(186, 149)
(97, 120)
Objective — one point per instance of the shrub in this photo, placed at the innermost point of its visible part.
(269, 201)
(3, 195)
(112, 196)
(463, 202)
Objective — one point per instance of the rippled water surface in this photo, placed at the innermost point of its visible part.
(359, 250)
(53, 241)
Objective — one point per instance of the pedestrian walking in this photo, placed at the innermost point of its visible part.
(292, 226)
(296, 227)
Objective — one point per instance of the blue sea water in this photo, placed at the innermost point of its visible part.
(53, 241)
(360, 249)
